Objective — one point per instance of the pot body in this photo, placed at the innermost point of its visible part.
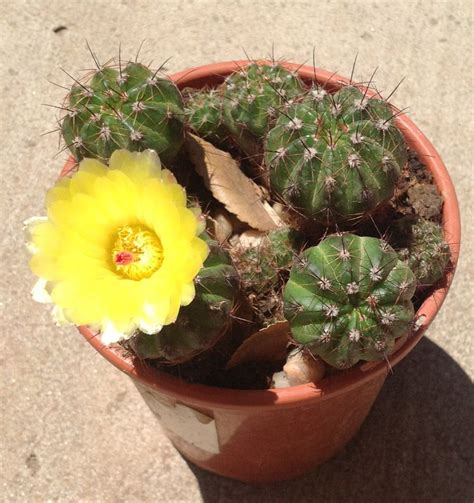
(267, 445)
(270, 435)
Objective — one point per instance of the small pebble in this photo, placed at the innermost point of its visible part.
(300, 368)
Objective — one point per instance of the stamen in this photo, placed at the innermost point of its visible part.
(137, 252)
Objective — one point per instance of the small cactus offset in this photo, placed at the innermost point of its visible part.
(199, 325)
(129, 108)
(428, 253)
(204, 115)
(348, 299)
(252, 98)
(261, 265)
(335, 158)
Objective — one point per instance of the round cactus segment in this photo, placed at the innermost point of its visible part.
(204, 114)
(263, 261)
(335, 158)
(349, 298)
(252, 98)
(260, 264)
(129, 108)
(199, 325)
(428, 253)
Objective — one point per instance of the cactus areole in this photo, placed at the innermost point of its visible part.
(349, 298)
(335, 158)
(124, 108)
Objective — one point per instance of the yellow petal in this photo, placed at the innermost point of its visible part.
(29, 227)
(92, 166)
(111, 334)
(188, 293)
(136, 165)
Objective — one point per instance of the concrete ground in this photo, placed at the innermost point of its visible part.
(74, 429)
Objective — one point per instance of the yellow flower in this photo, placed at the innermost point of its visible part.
(119, 249)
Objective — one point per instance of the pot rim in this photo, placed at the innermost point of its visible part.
(209, 397)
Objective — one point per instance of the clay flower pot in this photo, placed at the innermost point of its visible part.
(277, 434)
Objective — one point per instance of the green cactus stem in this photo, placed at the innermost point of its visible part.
(131, 108)
(253, 96)
(204, 115)
(348, 299)
(427, 253)
(201, 324)
(335, 158)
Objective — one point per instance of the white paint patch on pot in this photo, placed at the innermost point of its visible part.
(188, 424)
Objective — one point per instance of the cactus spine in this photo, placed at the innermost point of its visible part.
(348, 299)
(335, 158)
(131, 108)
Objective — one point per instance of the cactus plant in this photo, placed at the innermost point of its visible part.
(348, 299)
(252, 98)
(204, 115)
(427, 253)
(292, 162)
(203, 322)
(335, 158)
(131, 108)
(263, 262)
(260, 263)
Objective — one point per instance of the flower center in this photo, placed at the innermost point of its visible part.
(137, 252)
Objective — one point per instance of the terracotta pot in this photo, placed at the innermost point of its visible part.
(262, 436)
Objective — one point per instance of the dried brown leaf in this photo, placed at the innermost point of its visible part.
(223, 177)
(267, 345)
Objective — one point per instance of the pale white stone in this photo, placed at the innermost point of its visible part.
(301, 368)
(251, 239)
(280, 380)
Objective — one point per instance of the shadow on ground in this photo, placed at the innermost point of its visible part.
(416, 446)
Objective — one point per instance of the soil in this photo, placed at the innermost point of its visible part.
(415, 196)
(416, 193)
(267, 305)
